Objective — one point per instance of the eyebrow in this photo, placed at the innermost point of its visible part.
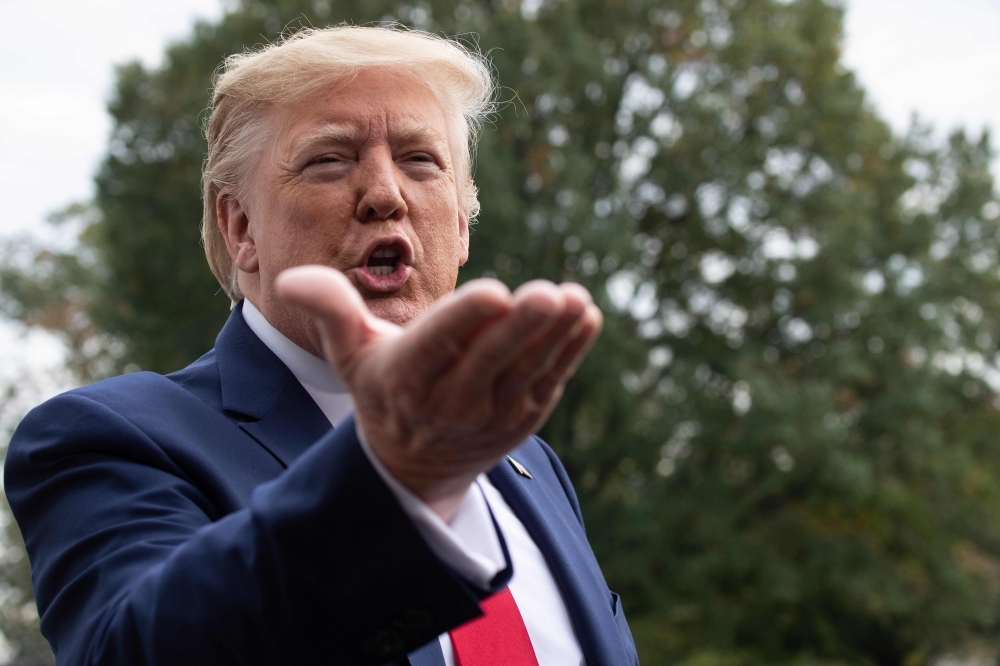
(331, 133)
(416, 133)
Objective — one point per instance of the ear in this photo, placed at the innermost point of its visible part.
(463, 237)
(234, 223)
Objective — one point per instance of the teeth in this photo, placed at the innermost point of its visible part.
(384, 252)
(381, 270)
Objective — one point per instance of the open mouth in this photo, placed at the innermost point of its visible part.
(384, 260)
(386, 265)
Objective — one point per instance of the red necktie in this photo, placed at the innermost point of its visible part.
(497, 638)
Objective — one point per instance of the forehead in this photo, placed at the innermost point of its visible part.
(374, 102)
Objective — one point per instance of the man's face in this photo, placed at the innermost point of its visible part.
(362, 180)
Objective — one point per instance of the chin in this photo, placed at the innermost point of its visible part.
(398, 310)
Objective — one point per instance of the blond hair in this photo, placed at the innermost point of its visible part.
(248, 85)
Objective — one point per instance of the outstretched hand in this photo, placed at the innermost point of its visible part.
(443, 399)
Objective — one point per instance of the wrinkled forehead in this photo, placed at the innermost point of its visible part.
(373, 103)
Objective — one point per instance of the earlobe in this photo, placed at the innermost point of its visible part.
(463, 238)
(237, 230)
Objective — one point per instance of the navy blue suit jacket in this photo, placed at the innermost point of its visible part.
(212, 516)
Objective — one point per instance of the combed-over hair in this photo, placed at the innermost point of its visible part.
(248, 85)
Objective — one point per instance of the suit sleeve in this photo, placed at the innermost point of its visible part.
(131, 565)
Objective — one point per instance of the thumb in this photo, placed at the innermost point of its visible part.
(346, 325)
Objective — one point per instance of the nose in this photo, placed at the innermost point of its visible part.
(379, 197)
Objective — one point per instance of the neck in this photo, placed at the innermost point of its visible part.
(291, 322)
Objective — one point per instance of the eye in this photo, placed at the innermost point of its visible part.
(420, 157)
(325, 159)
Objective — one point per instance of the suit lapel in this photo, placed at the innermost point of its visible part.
(563, 543)
(290, 426)
(256, 386)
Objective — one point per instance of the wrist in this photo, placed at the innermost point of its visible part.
(442, 492)
(430, 482)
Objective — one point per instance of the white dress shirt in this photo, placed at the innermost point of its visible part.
(468, 542)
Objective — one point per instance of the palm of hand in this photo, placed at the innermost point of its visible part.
(441, 400)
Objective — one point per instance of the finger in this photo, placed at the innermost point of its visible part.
(345, 322)
(537, 305)
(547, 389)
(538, 357)
(432, 343)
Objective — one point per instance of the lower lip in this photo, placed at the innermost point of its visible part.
(383, 283)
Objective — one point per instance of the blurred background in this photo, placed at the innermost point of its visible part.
(787, 442)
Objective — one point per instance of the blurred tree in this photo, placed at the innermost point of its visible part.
(784, 442)
(21, 644)
(18, 614)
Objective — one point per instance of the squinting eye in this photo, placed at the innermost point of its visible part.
(421, 158)
(326, 159)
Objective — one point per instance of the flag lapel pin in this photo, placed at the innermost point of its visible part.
(521, 469)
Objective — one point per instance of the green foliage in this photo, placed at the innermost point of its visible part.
(784, 441)
(23, 644)
(18, 614)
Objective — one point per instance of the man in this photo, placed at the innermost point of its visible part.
(213, 516)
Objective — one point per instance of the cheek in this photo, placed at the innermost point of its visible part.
(309, 226)
(440, 217)
(444, 252)
(302, 229)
